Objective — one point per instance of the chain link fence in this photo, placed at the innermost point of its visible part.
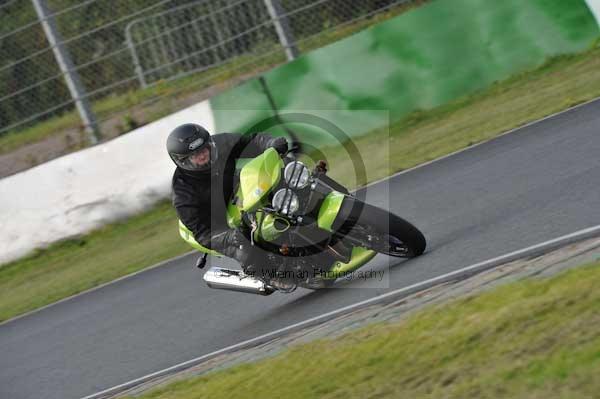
(145, 53)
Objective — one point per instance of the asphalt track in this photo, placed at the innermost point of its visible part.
(529, 186)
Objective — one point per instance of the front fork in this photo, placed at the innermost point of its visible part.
(336, 209)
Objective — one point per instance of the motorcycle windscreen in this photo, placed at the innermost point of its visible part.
(258, 177)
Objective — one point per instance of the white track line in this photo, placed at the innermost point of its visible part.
(360, 188)
(597, 99)
(455, 275)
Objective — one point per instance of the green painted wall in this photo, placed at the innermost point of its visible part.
(418, 60)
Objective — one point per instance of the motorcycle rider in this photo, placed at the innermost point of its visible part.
(203, 182)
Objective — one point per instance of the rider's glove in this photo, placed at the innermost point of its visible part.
(280, 144)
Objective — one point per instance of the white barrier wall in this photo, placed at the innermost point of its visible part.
(594, 6)
(87, 189)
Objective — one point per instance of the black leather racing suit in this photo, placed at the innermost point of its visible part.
(200, 198)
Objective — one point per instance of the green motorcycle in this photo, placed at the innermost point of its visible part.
(319, 231)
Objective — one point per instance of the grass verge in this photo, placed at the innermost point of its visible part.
(74, 265)
(68, 268)
(530, 339)
(560, 83)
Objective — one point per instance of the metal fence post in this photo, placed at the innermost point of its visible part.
(136, 60)
(282, 26)
(67, 68)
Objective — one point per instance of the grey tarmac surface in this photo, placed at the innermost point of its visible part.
(520, 189)
(544, 266)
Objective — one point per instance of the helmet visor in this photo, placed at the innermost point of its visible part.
(198, 160)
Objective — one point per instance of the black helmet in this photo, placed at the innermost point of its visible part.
(187, 140)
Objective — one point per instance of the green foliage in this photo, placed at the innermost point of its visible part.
(129, 123)
(94, 35)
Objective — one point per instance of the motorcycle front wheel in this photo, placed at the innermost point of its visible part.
(383, 231)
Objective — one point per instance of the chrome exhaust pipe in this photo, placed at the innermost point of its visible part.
(236, 280)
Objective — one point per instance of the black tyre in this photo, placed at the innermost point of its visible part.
(382, 231)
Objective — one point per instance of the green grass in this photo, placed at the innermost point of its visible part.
(114, 251)
(531, 339)
(15, 139)
(74, 265)
(560, 83)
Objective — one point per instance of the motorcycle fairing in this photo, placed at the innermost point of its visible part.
(258, 177)
(360, 256)
(188, 237)
(329, 210)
